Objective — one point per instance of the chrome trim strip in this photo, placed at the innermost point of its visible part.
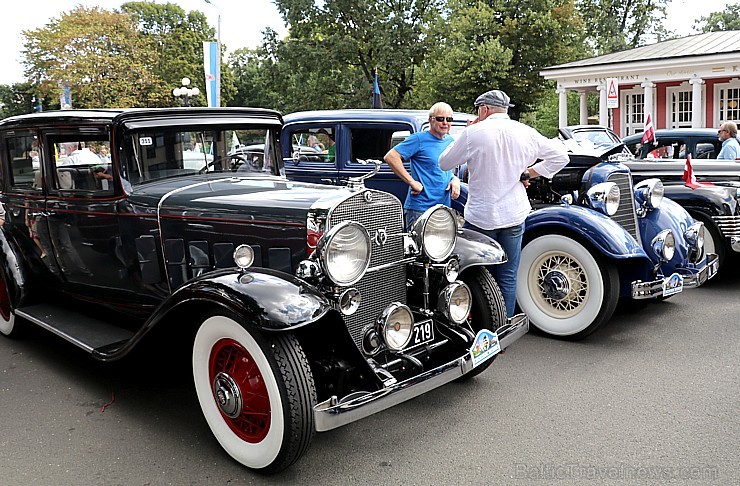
(330, 414)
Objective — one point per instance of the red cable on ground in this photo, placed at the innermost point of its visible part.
(112, 399)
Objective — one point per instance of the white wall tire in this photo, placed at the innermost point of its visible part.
(274, 424)
(7, 313)
(563, 288)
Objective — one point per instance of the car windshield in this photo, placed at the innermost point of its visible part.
(165, 152)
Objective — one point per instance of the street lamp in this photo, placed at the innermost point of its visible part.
(184, 92)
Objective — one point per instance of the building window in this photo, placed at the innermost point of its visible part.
(728, 96)
(678, 106)
(634, 111)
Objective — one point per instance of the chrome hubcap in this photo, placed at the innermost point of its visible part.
(228, 395)
(556, 285)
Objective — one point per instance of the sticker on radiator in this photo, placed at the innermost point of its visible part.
(672, 285)
(485, 346)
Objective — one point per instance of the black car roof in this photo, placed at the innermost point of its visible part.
(124, 115)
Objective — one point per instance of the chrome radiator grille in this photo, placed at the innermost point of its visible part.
(381, 214)
(728, 225)
(626, 214)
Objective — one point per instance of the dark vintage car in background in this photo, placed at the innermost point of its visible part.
(718, 206)
(593, 237)
(303, 307)
(676, 143)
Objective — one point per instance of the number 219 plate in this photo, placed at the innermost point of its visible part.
(422, 332)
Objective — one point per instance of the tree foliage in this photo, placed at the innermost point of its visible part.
(335, 45)
(127, 58)
(499, 44)
(98, 54)
(727, 19)
(617, 25)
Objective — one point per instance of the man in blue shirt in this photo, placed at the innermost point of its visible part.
(428, 184)
(730, 147)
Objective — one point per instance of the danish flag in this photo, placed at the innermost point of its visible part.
(690, 178)
(648, 134)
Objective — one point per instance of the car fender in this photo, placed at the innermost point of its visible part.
(475, 248)
(670, 215)
(267, 299)
(711, 200)
(603, 233)
(14, 270)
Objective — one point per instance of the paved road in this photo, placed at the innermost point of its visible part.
(654, 396)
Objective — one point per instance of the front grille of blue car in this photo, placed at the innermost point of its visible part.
(381, 214)
(626, 214)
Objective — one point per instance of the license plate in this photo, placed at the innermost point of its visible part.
(422, 332)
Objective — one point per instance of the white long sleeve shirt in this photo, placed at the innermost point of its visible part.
(497, 151)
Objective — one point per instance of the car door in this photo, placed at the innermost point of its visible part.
(80, 223)
(305, 163)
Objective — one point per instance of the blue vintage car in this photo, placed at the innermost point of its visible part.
(717, 206)
(594, 236)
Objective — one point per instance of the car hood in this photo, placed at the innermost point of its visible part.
(235, 198)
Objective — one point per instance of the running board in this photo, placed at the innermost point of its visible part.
(85, 332)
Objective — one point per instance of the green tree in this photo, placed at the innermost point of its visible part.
(19, 99)
(499, 44)
(178, 38)
(727, 19)
(617, 25)
(335, 45)
(97, 53)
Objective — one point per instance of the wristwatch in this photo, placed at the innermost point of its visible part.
(525, 176)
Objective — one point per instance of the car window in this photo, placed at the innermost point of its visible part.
(23, 154)
(314, 144)
(370, 142)
(82, 162)
(706, 150)
(170, 152)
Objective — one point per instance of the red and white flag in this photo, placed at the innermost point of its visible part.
(648, 134)
(690, 178)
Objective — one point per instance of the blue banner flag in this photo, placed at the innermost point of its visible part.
(210, 64)
(377, 102)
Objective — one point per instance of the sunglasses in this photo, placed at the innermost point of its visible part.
(720, 131)
(442, 118)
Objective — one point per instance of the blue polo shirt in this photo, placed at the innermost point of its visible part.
(422, 150)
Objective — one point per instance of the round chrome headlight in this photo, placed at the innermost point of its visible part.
(695, 238)
(604, 197)
(664, 245)
(455, 302)
(244, 256)
(436, 231)
(649, 193)
(344, 252)
(396, 324)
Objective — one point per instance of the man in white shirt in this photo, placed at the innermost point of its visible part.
(499, 152)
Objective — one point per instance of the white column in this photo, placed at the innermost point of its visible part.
(603, 110)
(583, 112)
(696, 102)
(647, 87)
(562, 107)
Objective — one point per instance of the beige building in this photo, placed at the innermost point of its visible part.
(689, 82)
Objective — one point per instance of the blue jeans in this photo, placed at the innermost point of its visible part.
(510, 240)
(411, 215)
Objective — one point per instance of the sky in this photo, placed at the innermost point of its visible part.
(242, 22)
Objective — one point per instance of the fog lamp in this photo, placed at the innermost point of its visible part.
(396, 324)
(455, 302)
(243, 256)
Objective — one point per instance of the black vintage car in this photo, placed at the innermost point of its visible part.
(306, 307)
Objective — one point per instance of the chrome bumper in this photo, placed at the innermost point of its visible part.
(698, 277)
(692, 278)
(331, 414)
(735, 243)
